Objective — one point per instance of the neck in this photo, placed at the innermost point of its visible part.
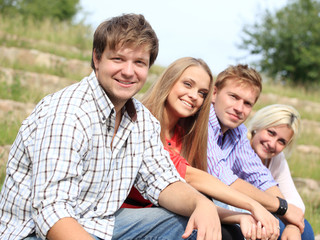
(169, 123)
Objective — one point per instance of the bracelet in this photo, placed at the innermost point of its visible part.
(283, 207)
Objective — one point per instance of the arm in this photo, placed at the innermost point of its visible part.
(211, 186)
(56, 189)
(182, 199)
(269, 200)
(68, 227)
(291, 232)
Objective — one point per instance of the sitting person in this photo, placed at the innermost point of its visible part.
(273, 131)
(181, 100)
(230, 155)
(78, 154)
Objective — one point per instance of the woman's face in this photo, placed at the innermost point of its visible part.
(188, 93)
(269, 142)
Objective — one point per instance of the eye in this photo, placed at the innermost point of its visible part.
(233, 96)
(187, 84)
(141, 63)
(248, 104)
(282, 142)
(203, 94)
(271, 133)
(117, 59)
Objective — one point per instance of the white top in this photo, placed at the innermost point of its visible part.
(281, 173)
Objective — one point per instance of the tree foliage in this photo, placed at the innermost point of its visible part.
(40, 9)
(288, 41)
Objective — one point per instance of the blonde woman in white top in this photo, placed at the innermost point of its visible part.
(273, 131)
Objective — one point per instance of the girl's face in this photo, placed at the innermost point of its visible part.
(188, 93)
(269, 142)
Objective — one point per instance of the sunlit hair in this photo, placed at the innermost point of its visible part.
(242, 74)
(275, 115)
(125, 30)
(194, 143)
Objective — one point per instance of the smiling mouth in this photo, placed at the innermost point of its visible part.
(186, 103)
(124, 82)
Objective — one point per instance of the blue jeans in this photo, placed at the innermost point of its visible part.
(155, 224)
(147, 224)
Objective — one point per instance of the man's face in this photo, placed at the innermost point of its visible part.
(233, 103)
(122, 72)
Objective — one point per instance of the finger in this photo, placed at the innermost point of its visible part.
(254, 232)
(259, 229)
(188, 230)
(263, 234)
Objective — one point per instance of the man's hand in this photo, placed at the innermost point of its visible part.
(251, 229)
(268, 221)
(295, 216)
(291, 232)
(206, 220)
(183, 199)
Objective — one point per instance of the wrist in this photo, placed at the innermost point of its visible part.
(283, 207)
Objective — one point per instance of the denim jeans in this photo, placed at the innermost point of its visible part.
(147, 224)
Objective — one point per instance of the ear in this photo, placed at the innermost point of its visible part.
(95, 60)
(214, 95)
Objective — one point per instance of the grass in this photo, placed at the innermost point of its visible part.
(65, 33)
(310, 93)
(9, 128)
(17, 92)
(304, 165)
(312, 212)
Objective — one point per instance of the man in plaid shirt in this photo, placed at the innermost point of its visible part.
(81, 150)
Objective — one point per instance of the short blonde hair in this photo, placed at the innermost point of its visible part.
(241, 74)
(275, 115)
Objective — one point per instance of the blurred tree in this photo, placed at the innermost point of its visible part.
(288, 42)
(40, 9)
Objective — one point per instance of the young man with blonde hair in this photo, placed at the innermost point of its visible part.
(230, 156)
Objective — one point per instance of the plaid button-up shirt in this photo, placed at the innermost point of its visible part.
(62, 163)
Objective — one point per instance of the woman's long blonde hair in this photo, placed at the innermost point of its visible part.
(194, 142)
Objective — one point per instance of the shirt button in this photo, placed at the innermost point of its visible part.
(103, 118)
(95, 208)
(169, 143)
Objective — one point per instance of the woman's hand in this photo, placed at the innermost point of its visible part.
(291, 232)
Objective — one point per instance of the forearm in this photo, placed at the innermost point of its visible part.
(269, 201)
(213, 187)
(68, 228)
(181, 198)
(229, 217)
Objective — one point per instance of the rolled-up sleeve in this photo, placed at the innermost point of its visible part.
(157, 170)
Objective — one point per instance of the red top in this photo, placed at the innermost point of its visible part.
(134, 199)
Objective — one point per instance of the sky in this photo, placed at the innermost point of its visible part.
(207, 29)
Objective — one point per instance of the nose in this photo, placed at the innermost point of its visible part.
(193, 94)
(238, 106)
(127, 69)
(272, 144)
